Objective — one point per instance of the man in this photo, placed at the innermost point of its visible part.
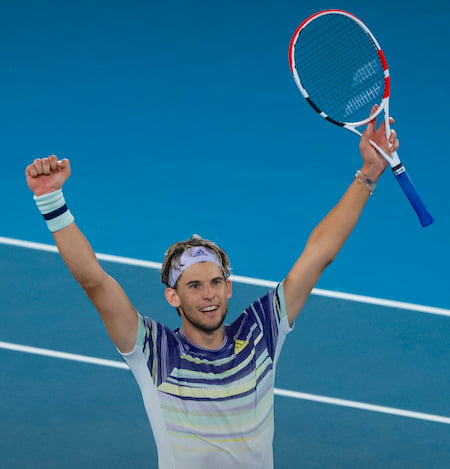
(207, 387)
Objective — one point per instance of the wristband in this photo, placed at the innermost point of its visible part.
(363, 179)
(54, 210)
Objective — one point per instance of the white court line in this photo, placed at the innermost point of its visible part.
(363, 406)
(279, 392)
(245, 280)
(63, 355)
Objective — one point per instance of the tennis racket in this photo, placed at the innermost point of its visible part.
(341, 71)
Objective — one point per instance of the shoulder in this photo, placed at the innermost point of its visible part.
(151, 331)
(270, 304)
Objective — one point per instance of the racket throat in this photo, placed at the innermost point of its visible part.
(398, 169)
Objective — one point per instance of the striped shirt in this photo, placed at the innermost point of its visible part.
(213, 408)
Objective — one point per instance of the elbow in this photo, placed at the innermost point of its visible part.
(324, 262)
(322, 257)
(328, 261)
(93, 282)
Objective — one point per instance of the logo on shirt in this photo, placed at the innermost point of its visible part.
(239, 345)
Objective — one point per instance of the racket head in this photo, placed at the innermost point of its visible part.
(339, 68)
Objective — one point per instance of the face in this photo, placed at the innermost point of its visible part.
(201, 296)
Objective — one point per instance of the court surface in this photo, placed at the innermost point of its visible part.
(180, 118)
(359, 385)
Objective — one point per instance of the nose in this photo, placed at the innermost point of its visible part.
(208, 292)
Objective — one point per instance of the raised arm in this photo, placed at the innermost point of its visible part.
(329, 236)
(45, 177)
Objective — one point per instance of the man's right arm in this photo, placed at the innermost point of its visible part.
(45, 176)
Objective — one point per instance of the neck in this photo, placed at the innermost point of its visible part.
(209, 340)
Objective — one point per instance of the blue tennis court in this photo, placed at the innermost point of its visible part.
(183, 118)
(359, 385)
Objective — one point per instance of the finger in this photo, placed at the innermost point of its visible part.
(31, 171)
(53, 161)
(45, 166)
(384, 124)
(374, 109)
(372, 124)
(394, 143)
(37, 163)
(392, 136)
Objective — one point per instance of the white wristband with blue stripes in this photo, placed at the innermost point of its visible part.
(54, 210)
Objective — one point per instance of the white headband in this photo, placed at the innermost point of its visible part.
(191, 256)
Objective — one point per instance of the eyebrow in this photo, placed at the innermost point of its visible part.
(199, 281)
(192, 282)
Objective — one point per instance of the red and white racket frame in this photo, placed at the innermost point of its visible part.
(392, 158)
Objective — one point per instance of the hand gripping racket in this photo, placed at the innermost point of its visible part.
(341, 71)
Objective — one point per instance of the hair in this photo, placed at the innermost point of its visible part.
(175, 251)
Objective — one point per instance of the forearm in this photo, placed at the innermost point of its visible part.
(329, 236)
(322, 247)
(78, 256)
(72, 245)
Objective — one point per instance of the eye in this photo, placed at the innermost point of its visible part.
(217, 281)
(194, 285)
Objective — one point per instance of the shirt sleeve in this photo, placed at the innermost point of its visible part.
(158, 346)
(269, 312)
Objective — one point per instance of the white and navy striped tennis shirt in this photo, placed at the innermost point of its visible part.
(213, 409)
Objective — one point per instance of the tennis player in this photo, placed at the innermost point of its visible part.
(208, 387)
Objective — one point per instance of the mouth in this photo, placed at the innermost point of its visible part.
(208, 309)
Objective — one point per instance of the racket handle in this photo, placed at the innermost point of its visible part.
(408, 188)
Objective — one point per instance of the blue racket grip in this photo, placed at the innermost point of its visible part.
(408, 188)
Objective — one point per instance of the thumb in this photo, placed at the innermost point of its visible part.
(64, 163)
(64, 166)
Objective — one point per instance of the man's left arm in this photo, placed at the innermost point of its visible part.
(330, 234)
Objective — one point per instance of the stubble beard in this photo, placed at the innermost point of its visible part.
(208, 328)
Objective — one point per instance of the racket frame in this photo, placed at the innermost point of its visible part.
(393, 159)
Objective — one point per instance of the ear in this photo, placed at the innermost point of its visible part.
(172, 297)
(229, 289)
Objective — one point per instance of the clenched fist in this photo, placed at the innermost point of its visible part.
(46, 175)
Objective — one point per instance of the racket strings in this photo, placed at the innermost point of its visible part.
(339, 67)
